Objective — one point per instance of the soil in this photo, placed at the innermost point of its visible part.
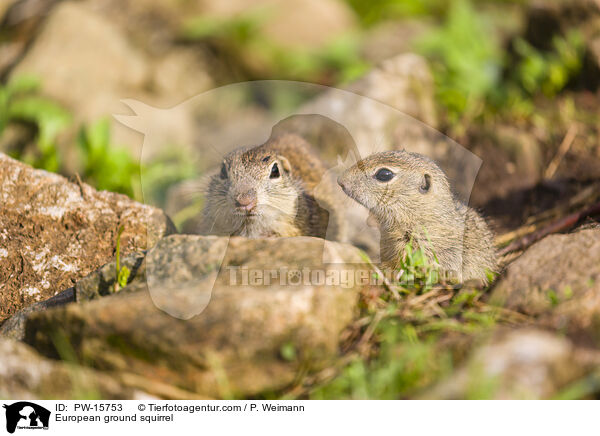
(509, 198)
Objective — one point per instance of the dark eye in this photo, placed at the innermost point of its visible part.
(223, 172)
(266, 159)
(274, 172)
(384, 175)
(426, 184)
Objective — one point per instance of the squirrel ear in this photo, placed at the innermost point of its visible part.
(425, 184)
(285, 164)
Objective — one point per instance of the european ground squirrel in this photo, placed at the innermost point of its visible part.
(279, 188)
(410, 198)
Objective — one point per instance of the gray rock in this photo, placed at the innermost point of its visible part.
(26, 374)
(238, 343)
(403, 84)
(290, 23)
(95, 285)
(87, 64)
(14, 327)
(557, 281)
(65, 54)
(54, 232)
(102, 281)
(399, 113)
(524, 363)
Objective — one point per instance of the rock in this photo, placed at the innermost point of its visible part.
(19, 20)
(74, 71)
(95, 285)
(5, 6)
(27, 375)
(54, 232)
(517, 364)
(403, 82)
(397, 92)
(86, 64)
(249, 338)
(14, 327)
(290, 23)
(180, 74)
(102, 281)
(557, 281)
(151, 25)
(389, 39)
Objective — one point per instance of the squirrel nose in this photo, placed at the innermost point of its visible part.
(341, 181)
(246, 201)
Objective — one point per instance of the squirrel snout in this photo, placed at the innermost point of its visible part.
(247, 200)
(343, 183)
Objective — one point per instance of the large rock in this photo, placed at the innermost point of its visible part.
(75, 71)
(19, 20)
(398, 113)
(14, 327)
(27, 375)
(87, 64)
(290, 23)
(557, 281)
(95, 285)
(54, 232)
(517, 364)
(403, 84)
(246, 338)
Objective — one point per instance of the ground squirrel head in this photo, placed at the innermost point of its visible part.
(252, 190)
(398, 186)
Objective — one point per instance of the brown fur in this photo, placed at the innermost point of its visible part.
(408, 207)
(298, 203)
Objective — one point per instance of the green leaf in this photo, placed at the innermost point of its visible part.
(123, 276)
(288, 351)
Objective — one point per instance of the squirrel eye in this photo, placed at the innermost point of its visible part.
(266, 159)
(274, 172)
(384, 175)
(223, 172)
(424, 188)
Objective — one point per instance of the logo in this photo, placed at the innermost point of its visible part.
(26, 415)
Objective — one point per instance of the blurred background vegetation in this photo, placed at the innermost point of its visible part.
(486, 64)
(511, 77)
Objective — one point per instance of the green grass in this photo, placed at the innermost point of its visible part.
(22, 104)
(466, 59)
(409, 336)
(122, 273)
(476, 76)
(104, 165)
(100, 162)
(476, 79)
(240, 39)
